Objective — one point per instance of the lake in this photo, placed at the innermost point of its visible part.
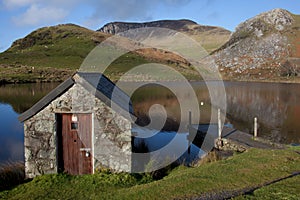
(276, 105)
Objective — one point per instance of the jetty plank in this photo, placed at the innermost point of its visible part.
(238, 137)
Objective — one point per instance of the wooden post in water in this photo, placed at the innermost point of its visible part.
(190, 127)
(255, 127)
(190, 118)
(219, 124)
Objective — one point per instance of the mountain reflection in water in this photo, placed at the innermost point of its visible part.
(276, 105)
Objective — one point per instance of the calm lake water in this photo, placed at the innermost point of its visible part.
(276, 105)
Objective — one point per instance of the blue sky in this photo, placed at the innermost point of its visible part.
(20, 17)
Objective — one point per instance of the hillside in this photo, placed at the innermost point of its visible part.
(54, 53)
(263, 48)
(48, 54)
(64, 45)
(210, 37)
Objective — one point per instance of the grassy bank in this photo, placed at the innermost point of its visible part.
(231, 176)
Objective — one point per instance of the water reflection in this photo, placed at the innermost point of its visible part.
(15, 99)
(149, 95)
(153, 141)
(23, 96)
(276, 106)
(11, 139)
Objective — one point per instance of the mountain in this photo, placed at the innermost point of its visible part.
(48, 54)
(54, 53)
(56, 42)
(210, 37)
(265, 48)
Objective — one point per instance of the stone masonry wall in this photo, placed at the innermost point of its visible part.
(112, 134)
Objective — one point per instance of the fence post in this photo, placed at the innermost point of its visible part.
(190, 127)
(255, 127)
(219, 124)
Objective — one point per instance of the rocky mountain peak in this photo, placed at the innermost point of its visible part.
(274, 20)
(261, 48)
(278, 18)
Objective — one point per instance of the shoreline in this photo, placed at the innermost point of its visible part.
(9, 81)
(26, 74)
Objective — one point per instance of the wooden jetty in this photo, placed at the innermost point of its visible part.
(231, 138)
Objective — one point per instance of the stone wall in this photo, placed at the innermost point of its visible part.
(112, 133)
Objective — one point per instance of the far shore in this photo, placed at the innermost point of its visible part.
(25, 74)
(4, 81)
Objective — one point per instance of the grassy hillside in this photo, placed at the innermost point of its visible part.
(62, 46)
(48, 54)
(225, 178)
(211, 38)
(55, 53)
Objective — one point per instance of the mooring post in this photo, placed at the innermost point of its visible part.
(219, 124)
(190, 118)
(189, 135)
(255, 127)
(190, 126)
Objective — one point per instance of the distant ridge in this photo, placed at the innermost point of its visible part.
(263, 48)
(117, 27)
(210, 37)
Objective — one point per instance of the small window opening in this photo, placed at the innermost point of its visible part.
(74, 125)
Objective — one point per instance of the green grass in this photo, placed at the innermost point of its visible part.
(63, 186)
(249, 169)
(286, 189)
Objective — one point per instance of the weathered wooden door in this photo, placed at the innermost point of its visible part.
(77, 143)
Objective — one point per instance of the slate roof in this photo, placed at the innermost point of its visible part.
(104, 89)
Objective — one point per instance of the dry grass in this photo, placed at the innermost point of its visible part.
(11, 174)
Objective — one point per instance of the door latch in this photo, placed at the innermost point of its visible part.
(87, 151)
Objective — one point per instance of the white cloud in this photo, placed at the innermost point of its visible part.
(18, 3)
(92, 23)
(41, 12)
(36, 15)
(120, 10)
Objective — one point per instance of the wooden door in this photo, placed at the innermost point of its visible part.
(77, 143)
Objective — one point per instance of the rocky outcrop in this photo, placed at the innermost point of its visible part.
(260, 48)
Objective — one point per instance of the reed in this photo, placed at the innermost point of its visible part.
(11, 174)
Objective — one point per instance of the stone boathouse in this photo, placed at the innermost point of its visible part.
(83, 124)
